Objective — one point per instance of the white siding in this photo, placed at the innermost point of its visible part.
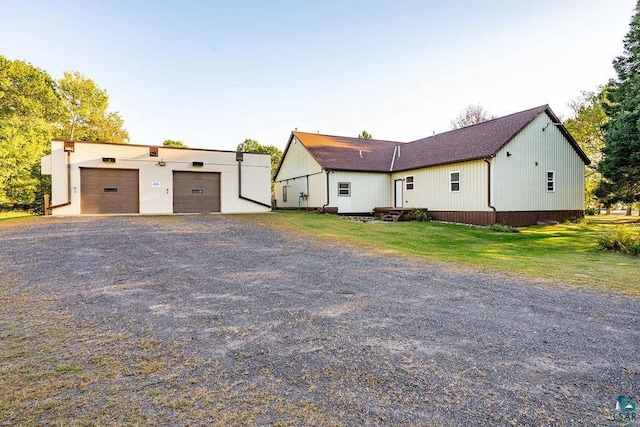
(519, 180)
(156, 182)
(368, 190)
(300, 173)
(313, 186)
(297, 163)
(432, 187)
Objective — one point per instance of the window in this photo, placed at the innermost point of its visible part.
(284, 193)
(551, 181)
(454, 178)
(408, 183)
(344, 189)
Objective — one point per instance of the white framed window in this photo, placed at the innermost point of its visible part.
(284, 193)
(409, 183)
(344, 189)
(551, 181)
(454, 181)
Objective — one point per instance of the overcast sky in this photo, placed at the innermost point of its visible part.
(212, 73)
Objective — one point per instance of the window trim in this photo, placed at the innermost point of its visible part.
(284, 194)
(551, 181)
(451, 182)
(407, 183)
(347, 188)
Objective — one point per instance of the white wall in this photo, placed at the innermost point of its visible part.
(158, 198)
(368, 191)
(300, 173)
(432, 187)
(519, 184)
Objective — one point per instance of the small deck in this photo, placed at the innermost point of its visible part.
(391, 214)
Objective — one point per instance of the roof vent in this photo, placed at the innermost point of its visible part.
(360, 153)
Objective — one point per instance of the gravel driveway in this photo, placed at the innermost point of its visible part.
(204, 319)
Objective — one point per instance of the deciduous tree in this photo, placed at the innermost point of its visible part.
(172, 143)
(471, 115)
(251, 146)
(365, 135)
(587, 127)
(87, 117)
(30, 114)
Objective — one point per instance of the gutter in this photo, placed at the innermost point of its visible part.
(239, 159)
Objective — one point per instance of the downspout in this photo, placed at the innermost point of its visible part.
(328, 192)
(489, 188)
(239, 158)
(68, 184)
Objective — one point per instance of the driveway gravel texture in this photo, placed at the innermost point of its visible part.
(220, 320)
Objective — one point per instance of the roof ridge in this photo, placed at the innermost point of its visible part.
(540, 107)
(347, 137)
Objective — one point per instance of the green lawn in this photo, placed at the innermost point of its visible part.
(566, 252)
(15, 214)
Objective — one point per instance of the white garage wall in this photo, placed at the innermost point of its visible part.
(156, 182)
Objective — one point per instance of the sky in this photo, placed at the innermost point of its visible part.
(213, 73)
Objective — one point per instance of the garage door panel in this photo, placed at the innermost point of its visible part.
(196, 192)
(108, 191)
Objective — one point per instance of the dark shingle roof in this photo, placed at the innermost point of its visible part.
(353, 154)
(478, 141)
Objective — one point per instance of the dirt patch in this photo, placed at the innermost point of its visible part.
(213, 320)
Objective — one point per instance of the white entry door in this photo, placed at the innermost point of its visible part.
(398, 193)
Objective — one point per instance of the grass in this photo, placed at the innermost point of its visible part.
(15, 214)
(566, 252)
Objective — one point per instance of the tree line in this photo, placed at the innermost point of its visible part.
(35, 108)
(606, 124)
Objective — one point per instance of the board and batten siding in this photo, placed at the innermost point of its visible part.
(300, 173)
(519, 178)
(432, 187)
(368, 190)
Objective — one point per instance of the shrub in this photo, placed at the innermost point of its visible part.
(418, 215)
(590, 210)
(621, 239)
(501, 228)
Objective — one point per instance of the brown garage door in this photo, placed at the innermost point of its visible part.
(196, 192)
(107, 191)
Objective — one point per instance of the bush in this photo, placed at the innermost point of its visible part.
(621, 239)
(501, 228)
(590, 210)
(418, 215)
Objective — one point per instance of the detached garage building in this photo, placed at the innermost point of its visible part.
(107, 178)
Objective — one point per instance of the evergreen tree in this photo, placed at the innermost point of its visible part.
(620, 165)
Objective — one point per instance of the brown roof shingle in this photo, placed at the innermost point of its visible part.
(353, 154)
(478, 141)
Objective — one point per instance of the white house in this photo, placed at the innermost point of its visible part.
(516, 170)
(107, 178)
